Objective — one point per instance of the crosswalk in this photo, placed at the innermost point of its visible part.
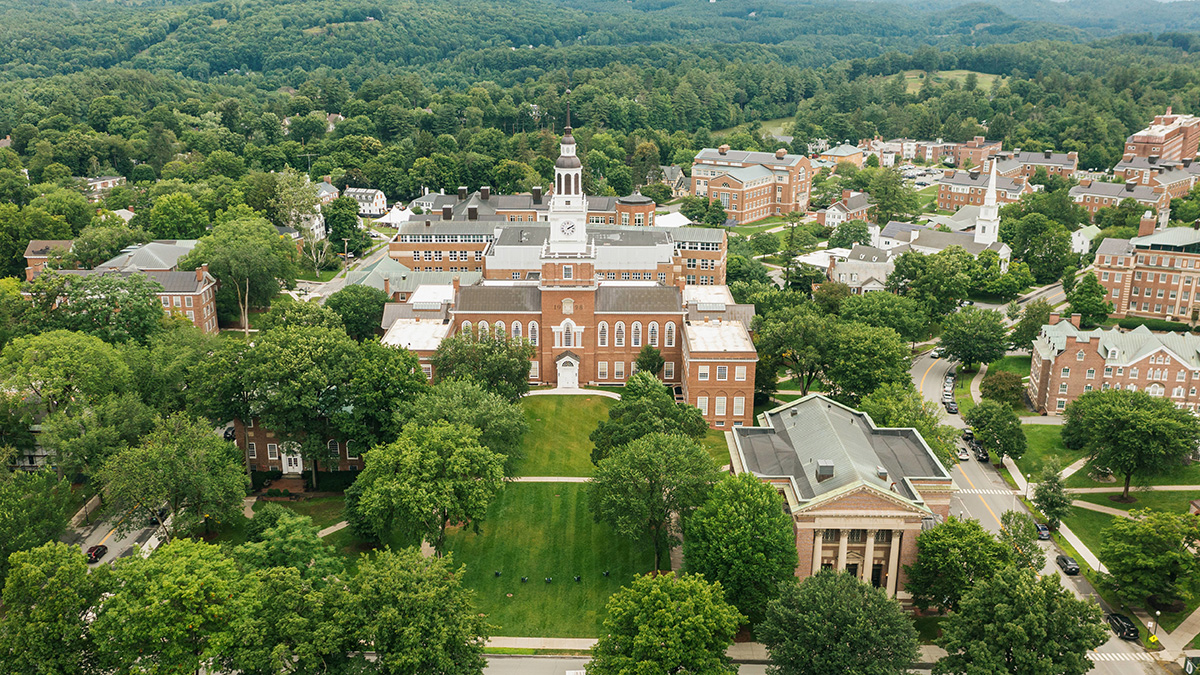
(980, 491)
(1123, 656)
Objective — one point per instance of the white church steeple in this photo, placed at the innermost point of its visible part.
(987, 225)
(568, 206)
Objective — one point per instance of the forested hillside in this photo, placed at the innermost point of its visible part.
(1099, 17)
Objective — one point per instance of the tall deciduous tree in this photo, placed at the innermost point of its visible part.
(951, 559)
(183, 465)
(1035, 315)
(17, 227)
(501, 424)
(666, 624)
(1130, 432)
(899, 404)
(974, 335)
(1016, 622)
(177, 216)
(1003, 386)
(34, 509)
(48, 595)
(341, 222)
(864, 358)
(112, 307)
(431, 477)
(936, 281)
(893, 199)
(497, 362)
(168, 611)
(442, 631)
(642, 487)
(250, 260)
(292, 542)
(998, 429)
(61, 367)
(1019, 533)
(1090, 301)
(1050, 495)
(649, 360)
(361, 309)
(885, 310)
(1151, 555)
(646, 407)
(742, 537)
(849, 233)
(801, 337)
(832, 623)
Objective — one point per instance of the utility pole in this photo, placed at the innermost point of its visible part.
(346, 255)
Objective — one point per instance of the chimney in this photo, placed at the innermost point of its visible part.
(1129, 185)
(1075, 319)
(454, 283)
(780, 153)
(1085, 182)
(201, 271)
(462, 193)
(846, 194)
(387, 287)
(485, 192)
(472, 212)
(1147, 224)
(1153, 159)
(824, 469)
(326, 179)
(447, 213)
(1047, 154)
(537, 194)
(428, 222)
(1054, 318)
(1073, 156)
(724, 149)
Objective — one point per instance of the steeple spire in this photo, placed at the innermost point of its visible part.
(987, 224)
(567, 129)
(990, 198)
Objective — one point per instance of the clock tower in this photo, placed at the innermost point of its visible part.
(568, 205)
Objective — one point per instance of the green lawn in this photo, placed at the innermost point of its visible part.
(557, 443)
(232, 533)
(324, 511)
(1044, 442)
(714, 443)
(792, 384)
(540, 530)
(1188, 474)
(962, 392)
(326, 275)
(1087, 526)
(1172, 501)
(1011, 364)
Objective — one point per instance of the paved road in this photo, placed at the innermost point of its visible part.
(984, 496)
(102, 531)
(508, 665)
(336, 284)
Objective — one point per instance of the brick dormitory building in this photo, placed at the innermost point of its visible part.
(752, 185)
(587, 281)
(1069, 362)
(859, 495)
(1155, 275)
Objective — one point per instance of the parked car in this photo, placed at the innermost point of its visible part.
(981, 454)
(947, 397)
(963, 455)
(230, 434)
(1067, 564)
(1123, 626)
(96, 553)
(968, 435)
(1043, 531)
(952, 407)
(936, 353)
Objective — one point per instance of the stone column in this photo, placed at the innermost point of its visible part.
(893, 570)
(843, 541)
(868, 558)
(818, 542)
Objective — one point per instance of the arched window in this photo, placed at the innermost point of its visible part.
(332, 446)
(516, 330)
(568, 334)
(576, 184)
(533, 333)
(483, 329)
(558, 183)
(466, 326)
(498, 329)
(350, 454)
(637, 334)
(670, 337)
(1155, 389)
(619, 339)
(653, 336)
(602, 331)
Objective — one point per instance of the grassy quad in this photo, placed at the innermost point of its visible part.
(1188, 474)
(540, 530)
(1044, 443)
(557, 443)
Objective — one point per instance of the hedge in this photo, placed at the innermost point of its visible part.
(335, 481)
(258, 479)
(1155, 324)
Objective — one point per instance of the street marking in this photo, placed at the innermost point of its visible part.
(1125, 656)
(985, 504)
(986, 492)
(927, 374)
(114, 530)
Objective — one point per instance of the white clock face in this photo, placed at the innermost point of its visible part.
(567, 228)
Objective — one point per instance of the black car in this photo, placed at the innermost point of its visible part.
(96, 553)
(1123, 626)
(230, 434)
(981, 454)
(1067, 564)
(952, 407)
(1043, 531)
(968, 435)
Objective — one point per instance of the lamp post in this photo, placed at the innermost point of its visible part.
(345, 255)
(1157, 614)
(1028, 478)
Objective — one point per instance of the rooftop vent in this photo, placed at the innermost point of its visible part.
(824, 469)
(881, 472)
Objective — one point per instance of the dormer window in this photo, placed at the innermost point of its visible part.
(1079, 355)
(1112, 353)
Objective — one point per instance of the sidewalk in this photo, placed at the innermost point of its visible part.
(573, 392)
(549, 479)
(1100, 509)
(740, 652)
(976, 392)
(1117, 487)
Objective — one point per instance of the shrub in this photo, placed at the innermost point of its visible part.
(1153, 324)
(258, 479)
(335, 481)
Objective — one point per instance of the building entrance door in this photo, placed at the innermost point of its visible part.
(568, 374)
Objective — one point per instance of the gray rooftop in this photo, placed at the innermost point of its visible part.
(1118, 347)
(1113, 246)
(710, 155)
(980, 180)
(161, 254)
(1115, 190)
(484, 298)
(1055, 159)
(813, 429)
(1171, 238)
(647, 299)
(172, 282)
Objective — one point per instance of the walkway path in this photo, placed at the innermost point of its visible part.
(549, 479)
(1074, 467)
(337, 527)
(976, 392)
(1153, 488)
(573, 392)
(1100, 508)
(248, 506)
(1048, 420)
